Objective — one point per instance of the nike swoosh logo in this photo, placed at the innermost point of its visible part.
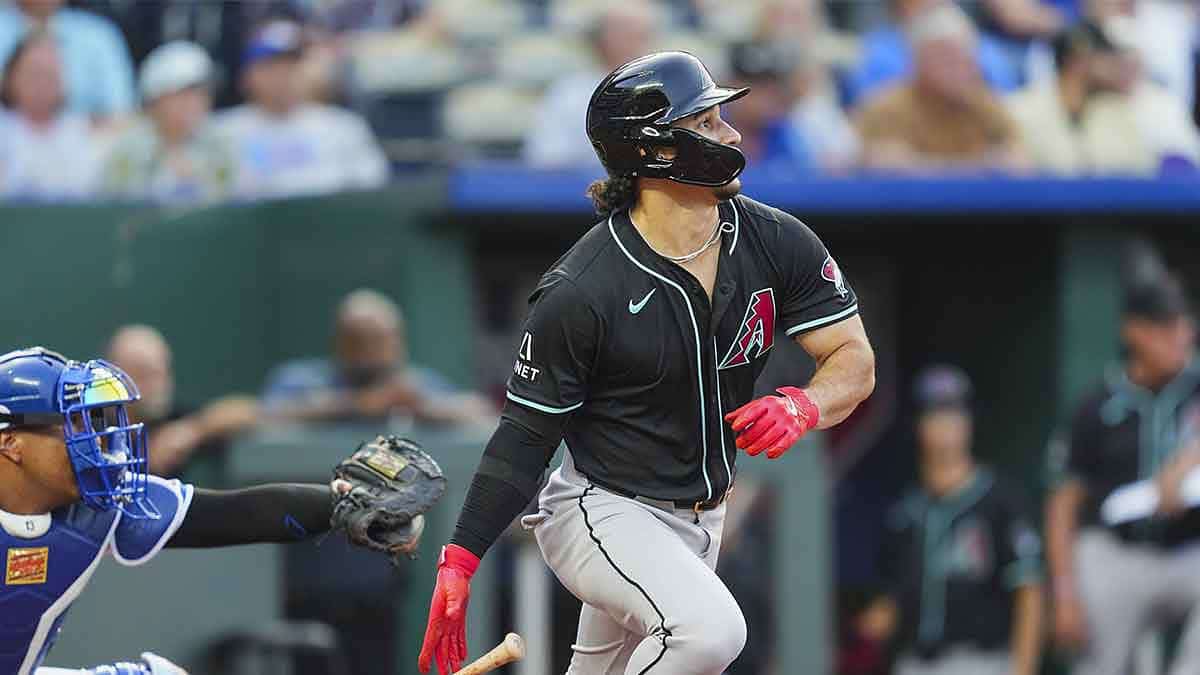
(635, 307)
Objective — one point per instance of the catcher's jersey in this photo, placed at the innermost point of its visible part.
(630, 346)
(49, 559)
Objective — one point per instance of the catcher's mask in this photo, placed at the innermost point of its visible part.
(632, 111)
(90, 400)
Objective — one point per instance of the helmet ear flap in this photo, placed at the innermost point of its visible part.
(649, 140)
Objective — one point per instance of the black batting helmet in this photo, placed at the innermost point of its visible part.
(632, 110)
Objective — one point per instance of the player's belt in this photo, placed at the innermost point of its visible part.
(689, 504)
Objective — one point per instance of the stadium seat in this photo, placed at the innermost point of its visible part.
(732, 21)
(403, 62)
(536, 59)
(475, 22)
(711, 51)
(489, 118)
(576, 16)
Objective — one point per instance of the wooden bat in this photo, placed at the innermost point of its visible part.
(512, 649)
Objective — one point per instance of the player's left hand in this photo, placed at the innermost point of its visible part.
(774, 423)
(446, 632)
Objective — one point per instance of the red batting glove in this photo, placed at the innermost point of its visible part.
(446, 633)
(774, 423)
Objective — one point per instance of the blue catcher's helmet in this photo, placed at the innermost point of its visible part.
(90, 401)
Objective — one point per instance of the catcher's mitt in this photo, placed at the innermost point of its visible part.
(393, 481)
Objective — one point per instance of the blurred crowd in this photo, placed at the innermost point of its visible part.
(187, 102)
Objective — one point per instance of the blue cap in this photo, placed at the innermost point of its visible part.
(275, 39)
(942, 386)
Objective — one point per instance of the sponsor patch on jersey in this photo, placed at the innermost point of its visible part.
(833, 274)
(757, 332)
(26, 566)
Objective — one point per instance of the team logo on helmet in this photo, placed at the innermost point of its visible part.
(833, 274)
(757, 332)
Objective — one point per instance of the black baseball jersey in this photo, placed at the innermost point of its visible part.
(952, 564)
(630, 346)
(1122, 433)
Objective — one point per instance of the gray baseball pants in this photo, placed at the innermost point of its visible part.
(644, 570)
(1127, 590)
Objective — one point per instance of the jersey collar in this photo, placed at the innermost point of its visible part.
(23, 526)
(631, 239)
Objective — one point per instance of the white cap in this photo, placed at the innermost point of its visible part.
(174, 67)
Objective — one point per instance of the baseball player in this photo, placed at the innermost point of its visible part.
(640, 350)
(960, 560)
(1114, 581)
(74, 486)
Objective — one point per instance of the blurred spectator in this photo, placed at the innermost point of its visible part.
(96, 66)
(286, 146)
(1113, 583)
(887, 54)
(1164, 33)
(943, 118)
(355, 15)
(623, 31)
(769, 138)
(171, 153)
(182, 438)
(1015, 25)
(45, 152)
(1099, 116)
(961, 561)
(369, 377)
(791, 33)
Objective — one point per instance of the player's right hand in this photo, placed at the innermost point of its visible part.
(446, 633)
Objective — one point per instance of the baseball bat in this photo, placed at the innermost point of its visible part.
(512, 649)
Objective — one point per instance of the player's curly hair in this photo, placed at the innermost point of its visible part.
(612, 194)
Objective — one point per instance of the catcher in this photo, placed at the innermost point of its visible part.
(74, 486)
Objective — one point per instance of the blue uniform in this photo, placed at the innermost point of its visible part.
(49, 559)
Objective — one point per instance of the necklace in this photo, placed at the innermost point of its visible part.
(688, 257)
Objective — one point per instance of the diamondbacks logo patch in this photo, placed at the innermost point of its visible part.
(833, 274)
(757, 332)
(26, 566)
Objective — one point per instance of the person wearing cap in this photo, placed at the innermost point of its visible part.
(1099, 114)
(960, 561)
(1114, 581)
(171, 153)
(943, 118)
(285, 145)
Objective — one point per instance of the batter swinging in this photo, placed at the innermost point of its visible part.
(640, 350)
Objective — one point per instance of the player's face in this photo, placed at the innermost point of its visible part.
(275, 83)
(45, 462)
(944, 436)
(180, 113)
(709, 124)
(367, 351)
(1163, 348)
